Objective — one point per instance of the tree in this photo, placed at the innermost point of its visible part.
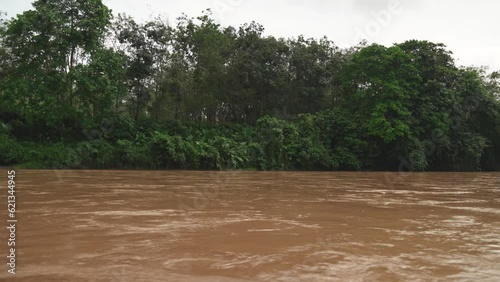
(313, 64)
(382, 83)
(210, 47)
(46, 45)
(4, 56)
(432, 106)
(100, 85)
(257, 74)
(139, 63)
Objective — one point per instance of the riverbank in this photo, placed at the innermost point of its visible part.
(326, 141)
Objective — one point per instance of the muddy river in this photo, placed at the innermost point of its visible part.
(253, 226)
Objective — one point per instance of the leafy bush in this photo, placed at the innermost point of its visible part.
(97, 153)
(11, 152)
(135, 154)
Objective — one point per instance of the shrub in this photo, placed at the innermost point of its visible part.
(11, 152)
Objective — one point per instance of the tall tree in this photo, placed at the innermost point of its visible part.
(382, 83)
(139, 64)
(46, 45)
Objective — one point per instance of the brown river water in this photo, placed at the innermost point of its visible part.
(253, 226)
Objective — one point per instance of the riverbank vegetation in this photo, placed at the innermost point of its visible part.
(80, 88)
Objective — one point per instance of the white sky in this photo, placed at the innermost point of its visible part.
(468, 28)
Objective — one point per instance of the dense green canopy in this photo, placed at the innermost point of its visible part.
(80, 88)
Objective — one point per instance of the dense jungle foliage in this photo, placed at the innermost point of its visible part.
(81, 88)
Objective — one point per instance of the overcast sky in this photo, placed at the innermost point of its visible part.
(468, 28)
